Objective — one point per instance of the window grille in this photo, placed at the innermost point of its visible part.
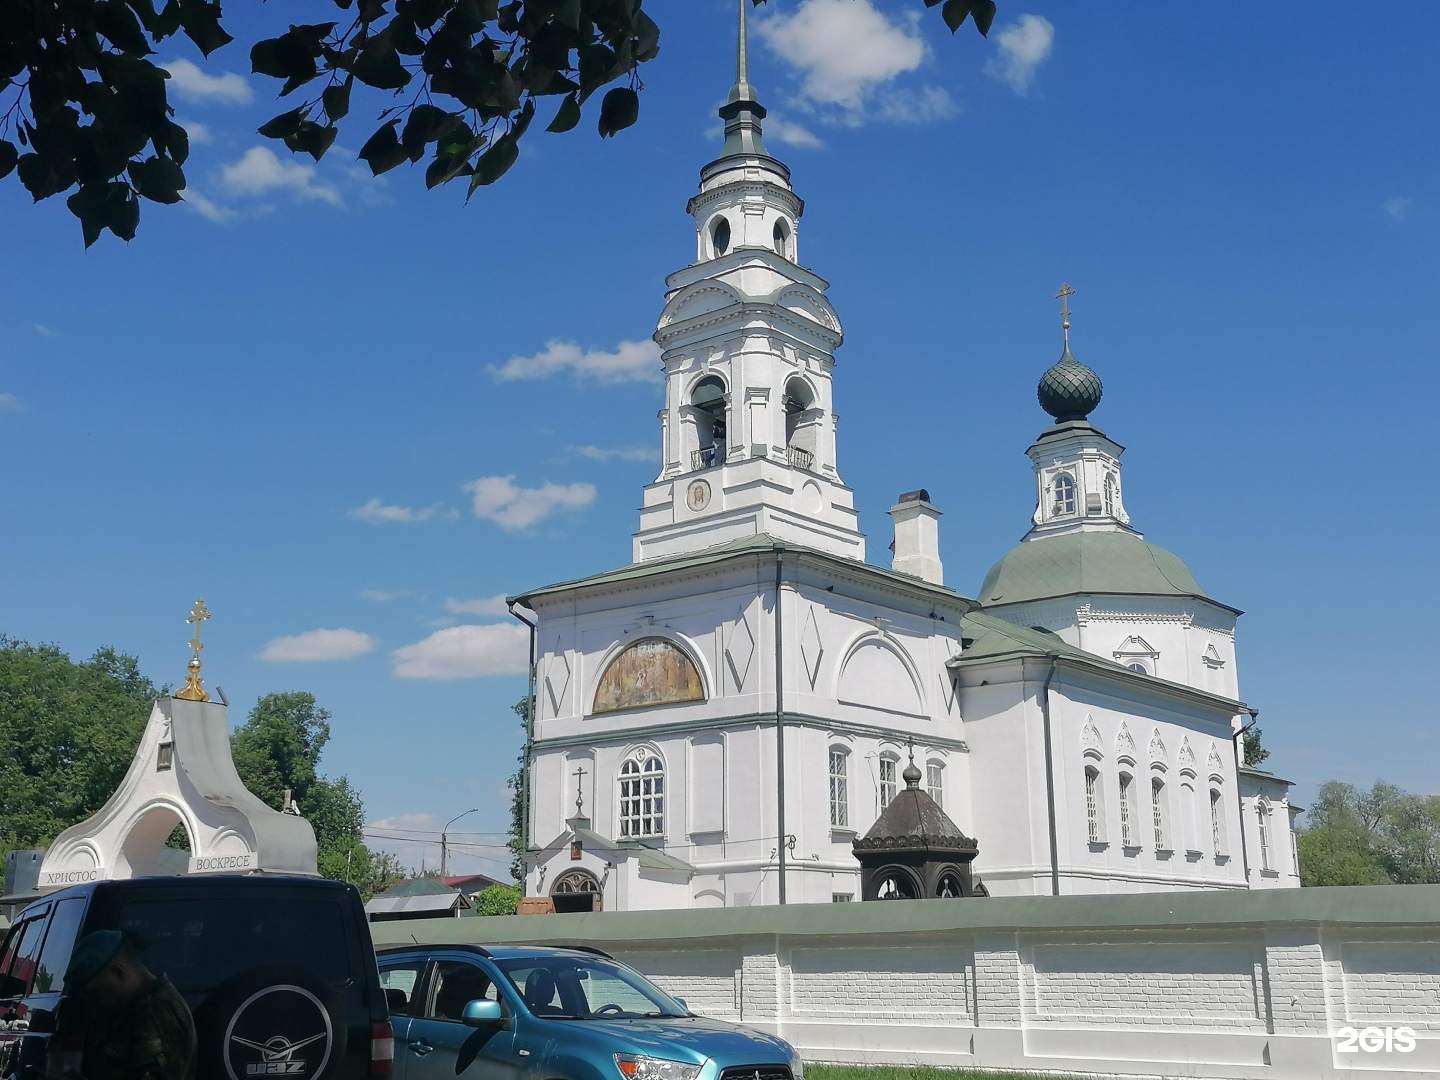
(887, 781)
(1064, 495)
(1262, 815)
(1157, 811)
(1127, 828)
(839, 790)
(642, 796)
(935, 782)
(1092, 805)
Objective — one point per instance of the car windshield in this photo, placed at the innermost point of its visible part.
(587, 988)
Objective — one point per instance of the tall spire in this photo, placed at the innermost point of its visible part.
(742, 113)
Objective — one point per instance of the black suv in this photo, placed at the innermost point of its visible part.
(279, 973)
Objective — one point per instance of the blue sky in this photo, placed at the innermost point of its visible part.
(326, 402)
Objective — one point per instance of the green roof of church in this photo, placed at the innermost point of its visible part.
(1082, 563)
(421, 886)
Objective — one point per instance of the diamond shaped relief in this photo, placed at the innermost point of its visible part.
(557, 678)
(740, 650)
(811, 647)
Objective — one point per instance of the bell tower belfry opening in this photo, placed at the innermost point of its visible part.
(748, 339)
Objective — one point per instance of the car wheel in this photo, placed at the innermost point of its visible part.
(270, 1022)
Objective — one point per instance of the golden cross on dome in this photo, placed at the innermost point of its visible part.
(193, 690)
(1064, 297)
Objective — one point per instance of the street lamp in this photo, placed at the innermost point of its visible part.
(444, 840)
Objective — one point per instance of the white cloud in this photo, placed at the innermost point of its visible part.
(1023, 48)
(318, 645)
(221, 215)
(260, 172)
(11, 403)
(384, 596)
(632, 361)
(198, 133)
(497, 499)
(792, 134)
(617, 453)
(921, 106)
(466, 652)
(377, 513)
(45, 331)
(190, 83)
(843, 49)
(1399, 207)
(485, 605)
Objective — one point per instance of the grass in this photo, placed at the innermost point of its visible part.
(902, 1072)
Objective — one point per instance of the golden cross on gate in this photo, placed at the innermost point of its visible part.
(1064, 297)
(198, 614)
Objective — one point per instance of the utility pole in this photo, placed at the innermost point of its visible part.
(445, 839)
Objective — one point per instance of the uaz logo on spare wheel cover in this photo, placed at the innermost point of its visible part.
(282, 1030)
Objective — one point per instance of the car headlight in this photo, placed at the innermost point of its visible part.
(640, 1067)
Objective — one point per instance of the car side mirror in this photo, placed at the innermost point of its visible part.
(482, 1013)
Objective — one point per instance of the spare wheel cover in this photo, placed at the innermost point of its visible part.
(280, 1030)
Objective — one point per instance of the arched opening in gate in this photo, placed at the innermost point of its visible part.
(156, 845)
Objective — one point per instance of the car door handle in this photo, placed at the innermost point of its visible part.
(524, 1053)
(420, 1047)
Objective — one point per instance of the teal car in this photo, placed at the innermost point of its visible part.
(532, 1013)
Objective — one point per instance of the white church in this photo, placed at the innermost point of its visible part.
(718, 722)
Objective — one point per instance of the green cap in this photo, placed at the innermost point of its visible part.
(91, 954)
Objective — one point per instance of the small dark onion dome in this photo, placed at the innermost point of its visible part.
(1069, 390)
(912, 775)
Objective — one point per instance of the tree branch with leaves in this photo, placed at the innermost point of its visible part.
(84, 109)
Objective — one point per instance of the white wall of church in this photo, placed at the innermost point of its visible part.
(1183, 639)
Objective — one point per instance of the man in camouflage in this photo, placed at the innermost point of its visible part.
(146, 1031)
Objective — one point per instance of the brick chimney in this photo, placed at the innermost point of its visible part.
(916, 549)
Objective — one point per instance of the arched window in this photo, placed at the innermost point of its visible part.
(1127, 810)
(1262, 817)
(1158, 815)
(782, 238)
(896, 883)
(1093, 810)
(1110, 494)
(887, 780)
(799, 434)
(709, 398)
(839, 788)
(720, 237)
(1064, 495)
(642, 795)
(576, 881)
(1137, 665)
(1217, 822)
(935, 782)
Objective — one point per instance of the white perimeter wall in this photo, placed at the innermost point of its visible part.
(1224, 984)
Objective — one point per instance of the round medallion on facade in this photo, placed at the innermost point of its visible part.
(1069, 390)
(697, 496)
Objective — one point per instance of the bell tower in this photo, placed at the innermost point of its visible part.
(748, 341)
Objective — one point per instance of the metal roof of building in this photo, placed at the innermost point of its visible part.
(1088, 563)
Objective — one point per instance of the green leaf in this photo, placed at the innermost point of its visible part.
(444, 169)
(8, 156)
(311, 138)
(382, 151)
(647, 36)
(118, 24)
(984, 12)
(595, 64)
(425, 125)
(955, 12)
(158, 179)
(336, 99)
(495, 162)
(619, 109)
(378, 65)
(283, 126)
(567, 117)
(201, 22)
(176, 143)
(40, 177)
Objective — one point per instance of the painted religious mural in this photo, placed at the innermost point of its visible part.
(650, 672)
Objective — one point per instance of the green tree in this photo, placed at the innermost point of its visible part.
(68, 732)
(84, 109)
(1357, 837)
(277, 751)
(1254, 753)
(524, 708)
(497, 900)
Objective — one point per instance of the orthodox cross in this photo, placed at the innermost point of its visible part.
(579, 775)
(193, 689)
(1064, 297)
